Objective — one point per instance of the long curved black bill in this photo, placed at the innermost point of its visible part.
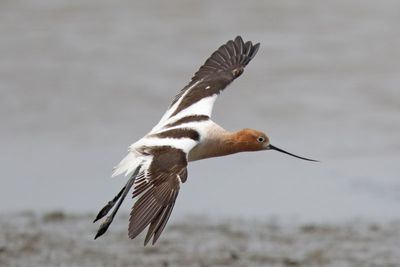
(283, 151)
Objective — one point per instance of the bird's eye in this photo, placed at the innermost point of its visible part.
(260, 139)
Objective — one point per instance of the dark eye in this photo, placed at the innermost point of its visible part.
(260, 139)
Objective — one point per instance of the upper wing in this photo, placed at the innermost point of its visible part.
(158, 186)
(219, 70)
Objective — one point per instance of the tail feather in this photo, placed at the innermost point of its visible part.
(127, 164)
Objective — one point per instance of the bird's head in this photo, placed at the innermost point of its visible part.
(253, 140)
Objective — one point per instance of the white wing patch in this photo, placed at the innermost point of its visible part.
(202, 107)
(171, 110)
(184, 144)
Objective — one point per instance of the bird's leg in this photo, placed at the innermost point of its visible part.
(104, 211)
(122, 194)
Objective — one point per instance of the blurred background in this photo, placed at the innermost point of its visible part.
(82, 80)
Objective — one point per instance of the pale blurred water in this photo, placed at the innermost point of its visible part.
(81, 80)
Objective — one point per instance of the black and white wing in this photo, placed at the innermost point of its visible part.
(220, 69)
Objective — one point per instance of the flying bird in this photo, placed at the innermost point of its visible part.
(157, 164)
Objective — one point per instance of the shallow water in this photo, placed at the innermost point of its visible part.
(81, 80)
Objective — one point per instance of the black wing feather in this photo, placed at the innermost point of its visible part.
(230, 59)
(158, 192)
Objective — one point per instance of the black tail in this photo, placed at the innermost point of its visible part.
(106, 209)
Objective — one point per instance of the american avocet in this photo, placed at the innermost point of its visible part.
(157, 163)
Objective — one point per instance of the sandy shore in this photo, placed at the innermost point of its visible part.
(58, 239)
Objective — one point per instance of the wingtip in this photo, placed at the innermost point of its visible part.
(146, 241)
(239, 38)
(154, 240)
(255, 49)
(148, 237)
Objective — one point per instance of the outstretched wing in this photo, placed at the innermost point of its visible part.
(157, 187)
(219, 70)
